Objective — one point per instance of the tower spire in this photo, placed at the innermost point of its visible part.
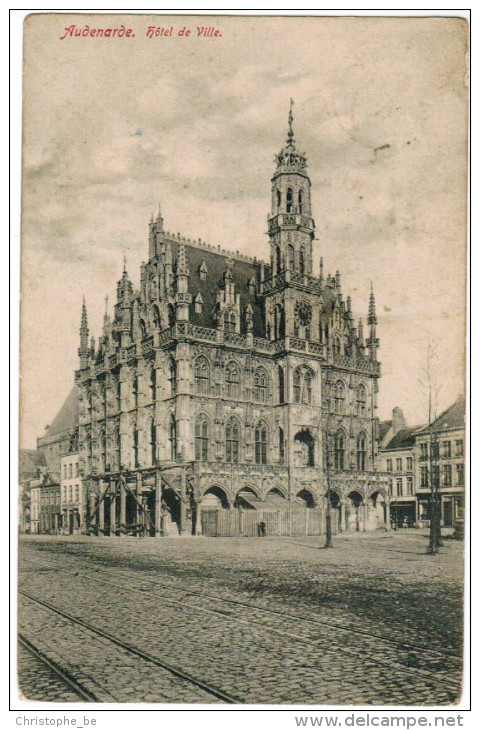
(83, 349)
(372, 314)
(290, 134)
(372, 342)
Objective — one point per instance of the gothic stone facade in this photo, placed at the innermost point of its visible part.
(225, 381)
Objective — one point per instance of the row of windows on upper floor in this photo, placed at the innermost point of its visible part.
(441, 450)
(399, 464)
(302, 385)
(303, 441)
(70, 470)
(441, 476)
(71, 494)
(398, 490)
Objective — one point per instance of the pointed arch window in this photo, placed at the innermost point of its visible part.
(302, 386)
(260, 385)
(171, 315)
(118, 394)
(153, 444)
(289, 200)
(103, 449)
(307, 387)
(361, 452)
(291, 257)
(279, 198)
(229, 321)
(278, 258)
(135, 391)
(232, 380)
(172, 376)
(173, 438)
(156, 317)
(297, 385)
(201, 438)
(232, 434)
(143, 329)
(116, 448)
(202, 376)
(301, 261)
(153, 385)
(261, 443)
(281, 385)
(301, 197)
(281, 446)
(339, 450)
(136, 459)
(361, 400)
(339, 398)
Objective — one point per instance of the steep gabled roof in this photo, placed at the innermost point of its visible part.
(403, 439)
(453, 417)
(67, 417)
(30, 461)
(217, 263)
(383, 428)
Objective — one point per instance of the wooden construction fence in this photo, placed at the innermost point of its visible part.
(282, 522)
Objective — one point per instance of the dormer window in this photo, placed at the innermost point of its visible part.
(203, 271)
(198, 304)
(251, 285)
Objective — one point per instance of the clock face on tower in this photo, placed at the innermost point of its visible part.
(303, 313)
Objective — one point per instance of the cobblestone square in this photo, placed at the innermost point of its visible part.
(257, 621)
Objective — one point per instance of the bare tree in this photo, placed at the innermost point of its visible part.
(430, 385)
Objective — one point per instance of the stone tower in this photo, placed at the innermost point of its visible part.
(290, 226)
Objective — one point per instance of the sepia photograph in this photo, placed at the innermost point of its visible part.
(243, 437)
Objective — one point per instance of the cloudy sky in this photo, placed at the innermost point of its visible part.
(114, 126)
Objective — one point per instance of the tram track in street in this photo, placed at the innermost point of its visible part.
(51, 667)
(209, 689)
(414, 652)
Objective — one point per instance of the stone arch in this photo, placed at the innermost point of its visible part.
(276, 491)
(377, 508)
(215, 497)
(306, 497)
(239, 502)
(305, 449)
(354, 504)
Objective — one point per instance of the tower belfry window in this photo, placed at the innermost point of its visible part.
(301, 261)
(291, 257)
(300, 201)
(289, 200)
(279, 198)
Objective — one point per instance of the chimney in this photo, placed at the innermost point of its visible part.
(398, 420)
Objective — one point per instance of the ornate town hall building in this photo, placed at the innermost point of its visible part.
(228, 391)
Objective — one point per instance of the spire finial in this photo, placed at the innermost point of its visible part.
(372, 315)
(84, 320)
(124, 264)
(290, 123)
(106, 305)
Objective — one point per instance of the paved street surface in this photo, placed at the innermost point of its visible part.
(258, 621)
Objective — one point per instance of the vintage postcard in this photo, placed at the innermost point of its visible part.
(242, 408)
